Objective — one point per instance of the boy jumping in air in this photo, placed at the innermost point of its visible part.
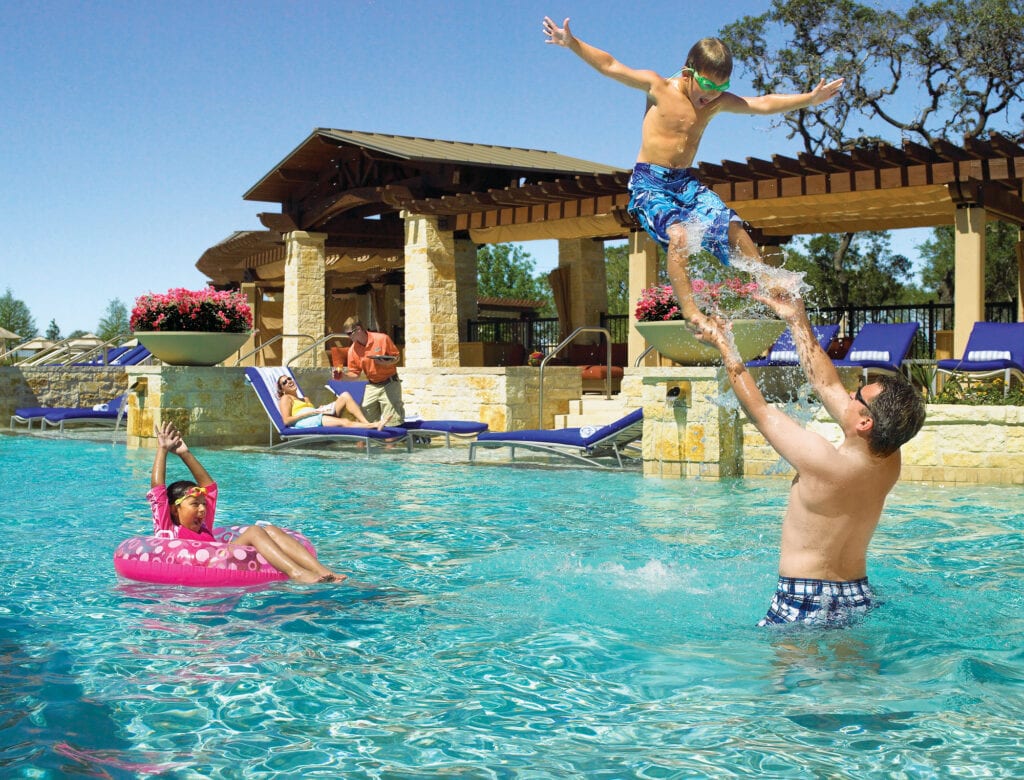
(678, 211)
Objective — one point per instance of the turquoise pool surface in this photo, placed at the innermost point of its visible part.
(509, 623)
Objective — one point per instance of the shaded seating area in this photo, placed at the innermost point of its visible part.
(429, 429)
(783, 351)
(264, 383)
(101, 415)
(993, 349)
(880, 347)
(582, 445)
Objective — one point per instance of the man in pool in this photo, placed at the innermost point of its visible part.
(677, 210)
(837, 496)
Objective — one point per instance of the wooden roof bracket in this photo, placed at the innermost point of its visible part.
(1003, 203)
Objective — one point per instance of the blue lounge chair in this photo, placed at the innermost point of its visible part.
(109, 413)
(581, 444)
(783, 351)
(428, 429)
(880, 347)
(993, 348)
(133, 357)
(264, 382)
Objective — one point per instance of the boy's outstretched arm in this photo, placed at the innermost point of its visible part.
(780, 104)
(601, 61)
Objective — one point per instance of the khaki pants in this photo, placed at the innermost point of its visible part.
(384, 402)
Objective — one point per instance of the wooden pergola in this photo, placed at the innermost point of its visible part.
(355, 187)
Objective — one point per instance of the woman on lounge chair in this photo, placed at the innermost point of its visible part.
(300, 413)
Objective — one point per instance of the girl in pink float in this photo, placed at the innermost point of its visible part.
(186, 510)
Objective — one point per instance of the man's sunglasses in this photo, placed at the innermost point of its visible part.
(707, 84)
(860, 398)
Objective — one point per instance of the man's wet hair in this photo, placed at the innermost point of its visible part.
(710, 57)
(898, 412)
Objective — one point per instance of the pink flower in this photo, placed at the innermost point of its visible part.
(221, 311)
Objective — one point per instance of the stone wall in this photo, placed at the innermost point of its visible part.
(76, 386)
(504, 398)
(691, 435)
(957, 445)
(687, 433)
(210, 406)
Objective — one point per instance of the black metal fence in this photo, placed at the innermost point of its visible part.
(544, 333)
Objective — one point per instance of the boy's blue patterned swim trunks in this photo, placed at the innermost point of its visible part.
(819, 602)
(661, 197)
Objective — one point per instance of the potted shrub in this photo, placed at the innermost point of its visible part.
(660, 321)
(192, 327)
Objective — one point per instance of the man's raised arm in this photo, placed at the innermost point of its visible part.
(817, 365)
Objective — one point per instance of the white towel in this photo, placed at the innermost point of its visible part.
(978, 355)
(784, 356)
(101, 408)
(868, 354)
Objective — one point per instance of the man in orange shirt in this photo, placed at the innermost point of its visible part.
(375, 355)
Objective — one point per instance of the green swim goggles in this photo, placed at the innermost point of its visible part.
(707, 84)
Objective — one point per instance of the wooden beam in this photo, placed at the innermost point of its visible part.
(296, 176)
(282, 223)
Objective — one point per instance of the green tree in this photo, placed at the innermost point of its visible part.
(53, 331)
(15, 316)
(617, 265)
(933, 70)
(871, 274)
(507, 271)
(1000, 262)
(114, 323)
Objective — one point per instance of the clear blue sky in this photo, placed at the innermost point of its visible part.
(131, 130)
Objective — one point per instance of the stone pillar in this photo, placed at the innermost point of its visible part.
(1020, 276)
(969, 274)
(688, 433)
(465, 285)
(643, 273)
(588, 285)
(254, 298)
(304, 294)
(431, 307)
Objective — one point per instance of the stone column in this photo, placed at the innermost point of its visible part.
(687, 432)
(254, 299)
(643, 273)
(304, 294)
(465, 284)
(588, 285)
(969, 274)
(431, 302)
(1020, 275)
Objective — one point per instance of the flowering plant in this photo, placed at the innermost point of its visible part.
(659, 303)
(535, 358)
(218, 311)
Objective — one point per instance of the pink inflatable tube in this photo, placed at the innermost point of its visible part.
(199, 564)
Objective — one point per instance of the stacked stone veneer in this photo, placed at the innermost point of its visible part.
(215, 407)
(210, 406)
(76, 386)
(957, 445)
(504, 398)
(695, 435)
(686, 433)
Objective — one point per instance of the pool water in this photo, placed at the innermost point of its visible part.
(509, 622)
